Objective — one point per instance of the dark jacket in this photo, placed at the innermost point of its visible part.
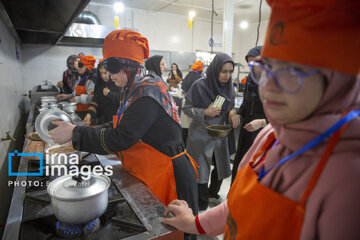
(104, 107)
(189, 80)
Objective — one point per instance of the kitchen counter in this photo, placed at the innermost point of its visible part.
(147, 208)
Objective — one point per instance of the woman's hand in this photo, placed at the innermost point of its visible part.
(106, 91)
(87, 119)
(61, 96)
(211, 111)
(63, 133)
(255, 125)
(184, 219)
(234, 118)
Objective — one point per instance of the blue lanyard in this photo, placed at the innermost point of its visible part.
(120, 112)
(350, 116)
(82, 79)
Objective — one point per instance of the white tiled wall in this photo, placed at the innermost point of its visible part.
(11, 90)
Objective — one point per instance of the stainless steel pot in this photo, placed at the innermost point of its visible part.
(69, 107)
(78, 201)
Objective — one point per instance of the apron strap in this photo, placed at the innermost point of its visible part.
(192, 161)
(269, 141)
(324, 158)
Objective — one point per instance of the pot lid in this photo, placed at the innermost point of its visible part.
(77, 188)
(43, 122)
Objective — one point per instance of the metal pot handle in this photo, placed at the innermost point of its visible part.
(78, 178)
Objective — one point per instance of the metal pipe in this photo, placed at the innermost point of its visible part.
(87, 18)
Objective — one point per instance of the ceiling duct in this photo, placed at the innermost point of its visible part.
(87, 17)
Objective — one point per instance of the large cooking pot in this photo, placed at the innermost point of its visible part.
(78, 201)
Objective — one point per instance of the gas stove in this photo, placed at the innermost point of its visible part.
(39, 222)
(133, 211)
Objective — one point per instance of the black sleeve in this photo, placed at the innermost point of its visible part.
(94, 104)
(114, 96)
(136, 121)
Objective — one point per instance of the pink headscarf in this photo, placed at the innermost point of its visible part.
(342, 93)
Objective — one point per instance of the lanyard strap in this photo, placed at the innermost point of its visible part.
(347, 118)
(81, 79)
(120, 112)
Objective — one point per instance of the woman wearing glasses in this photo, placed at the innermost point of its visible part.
(146, 131)
(300, 179)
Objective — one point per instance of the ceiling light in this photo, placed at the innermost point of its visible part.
(119, 7)
(244, 24)
(192, 14)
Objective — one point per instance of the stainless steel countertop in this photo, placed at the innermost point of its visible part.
(147, 207)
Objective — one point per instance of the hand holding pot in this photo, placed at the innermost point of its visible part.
(63, 133)
(234, 118)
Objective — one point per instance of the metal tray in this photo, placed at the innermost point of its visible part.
(43, 122)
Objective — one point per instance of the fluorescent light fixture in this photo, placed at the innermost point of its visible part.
(119, 7)
(244, 24)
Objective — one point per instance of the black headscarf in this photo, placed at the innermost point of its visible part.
(253, 52)
(100, 84)
(251, 87)
(153, 64)
(204, 91)
(178, 72)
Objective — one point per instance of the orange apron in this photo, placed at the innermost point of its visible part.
(81, 90)
(258, 212)
(153, 168)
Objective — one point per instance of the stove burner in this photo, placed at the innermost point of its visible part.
(76, 230)
(92, 226)
(68, 230)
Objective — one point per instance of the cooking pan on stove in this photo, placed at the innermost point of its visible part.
(76, 200)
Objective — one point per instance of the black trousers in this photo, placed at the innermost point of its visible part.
(212, 191)
(186, 186)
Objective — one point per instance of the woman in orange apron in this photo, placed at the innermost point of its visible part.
(300, 179)
(146, 132)
(85, 86)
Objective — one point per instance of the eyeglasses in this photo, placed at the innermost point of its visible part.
(288, 80)
(112, 65)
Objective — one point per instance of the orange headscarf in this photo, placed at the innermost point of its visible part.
(322, 33)
(88, 61)
(198, 66)
(126, 44)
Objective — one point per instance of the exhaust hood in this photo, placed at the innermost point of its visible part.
(80, 34)
(42, 21)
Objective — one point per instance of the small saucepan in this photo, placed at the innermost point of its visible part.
(219, 131)
(78, 201)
